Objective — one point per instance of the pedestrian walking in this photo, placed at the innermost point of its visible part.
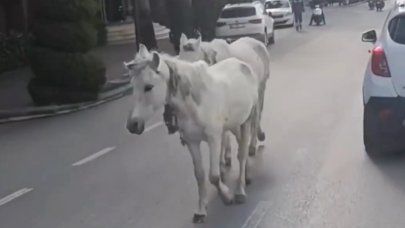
(298, 8)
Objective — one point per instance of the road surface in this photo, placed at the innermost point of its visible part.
(84, 170)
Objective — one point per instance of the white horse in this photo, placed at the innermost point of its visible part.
(208, 101)
(246, 49)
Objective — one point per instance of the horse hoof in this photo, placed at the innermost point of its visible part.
(248, 181)
(261, 136)
(227, 200)
(252, 151)
(240, 198)
(199, 218)
(228, 162)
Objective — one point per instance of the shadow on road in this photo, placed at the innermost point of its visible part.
(392, 167)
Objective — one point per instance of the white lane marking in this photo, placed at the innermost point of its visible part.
(94, 156)
(257, 215)
(153, 126)
(14, 196)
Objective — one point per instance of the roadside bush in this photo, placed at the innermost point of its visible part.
(82, 70)
(77, 37)
(13, 51)
(65, 70)
(66, 10)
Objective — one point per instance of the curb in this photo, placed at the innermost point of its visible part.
(16, 115)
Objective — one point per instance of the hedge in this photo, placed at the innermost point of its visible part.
(71, 70)
(66, 10)
(66, 36)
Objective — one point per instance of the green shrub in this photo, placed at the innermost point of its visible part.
(66, 10)
(71, 70)
(66, 36)
(65, 71)
(13, 51)
(43, 93)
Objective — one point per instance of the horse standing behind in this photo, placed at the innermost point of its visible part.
(209, 100)
(246, 49)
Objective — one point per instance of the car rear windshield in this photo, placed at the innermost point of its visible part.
(238, 12)
(396, 29)
(277, 4)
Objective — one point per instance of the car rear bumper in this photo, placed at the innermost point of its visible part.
(283, 21)
(386, 116)
(257, 36)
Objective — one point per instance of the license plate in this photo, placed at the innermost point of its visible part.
(237, 26)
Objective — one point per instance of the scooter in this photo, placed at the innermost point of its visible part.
(371, 4)
(317, 15)
(379, 5)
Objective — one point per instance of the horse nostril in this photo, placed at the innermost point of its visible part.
(132, 127)
(136, 128)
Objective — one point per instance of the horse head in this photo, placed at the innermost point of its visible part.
(193, 50)
(149, 78)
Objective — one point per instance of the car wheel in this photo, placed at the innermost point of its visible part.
(371, 134)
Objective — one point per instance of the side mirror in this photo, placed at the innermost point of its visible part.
(370, 36)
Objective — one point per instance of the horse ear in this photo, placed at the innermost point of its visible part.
(155, 61)
(183, 39)
(198, 43)
(143, 50)
(210, 57)
(129, 65)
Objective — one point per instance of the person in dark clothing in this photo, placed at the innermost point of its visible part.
(298, 8)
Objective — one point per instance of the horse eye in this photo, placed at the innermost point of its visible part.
(148, 88)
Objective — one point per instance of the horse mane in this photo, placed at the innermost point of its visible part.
(192, 82)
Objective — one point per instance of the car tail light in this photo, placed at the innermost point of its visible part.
(220, 24)
(255, 21)
(379, 64)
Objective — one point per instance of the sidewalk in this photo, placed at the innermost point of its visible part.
(14, 97)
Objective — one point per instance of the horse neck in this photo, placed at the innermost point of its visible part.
(187, 93)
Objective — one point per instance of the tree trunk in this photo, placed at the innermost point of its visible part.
(146, 31)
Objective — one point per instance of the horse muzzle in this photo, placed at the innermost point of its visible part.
(136, 127)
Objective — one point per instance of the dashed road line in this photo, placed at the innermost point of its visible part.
(257, 215)
(93, 156)
(14, 196)
(153, 126)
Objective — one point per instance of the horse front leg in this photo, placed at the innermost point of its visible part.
(215, 146)
(195, 151)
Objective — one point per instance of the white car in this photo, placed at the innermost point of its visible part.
(280, 11)
(384, 87)
(245, 19)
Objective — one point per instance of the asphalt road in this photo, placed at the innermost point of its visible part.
(84, 170)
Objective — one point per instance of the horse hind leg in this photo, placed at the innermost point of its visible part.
(254, 123)
(215, 146)
(226, 160)
(244, 178)
(261, 135)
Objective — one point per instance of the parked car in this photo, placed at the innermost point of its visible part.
(280, 11)
(245, 19)
(384, 86)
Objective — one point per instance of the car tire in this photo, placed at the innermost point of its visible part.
(371, 134)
